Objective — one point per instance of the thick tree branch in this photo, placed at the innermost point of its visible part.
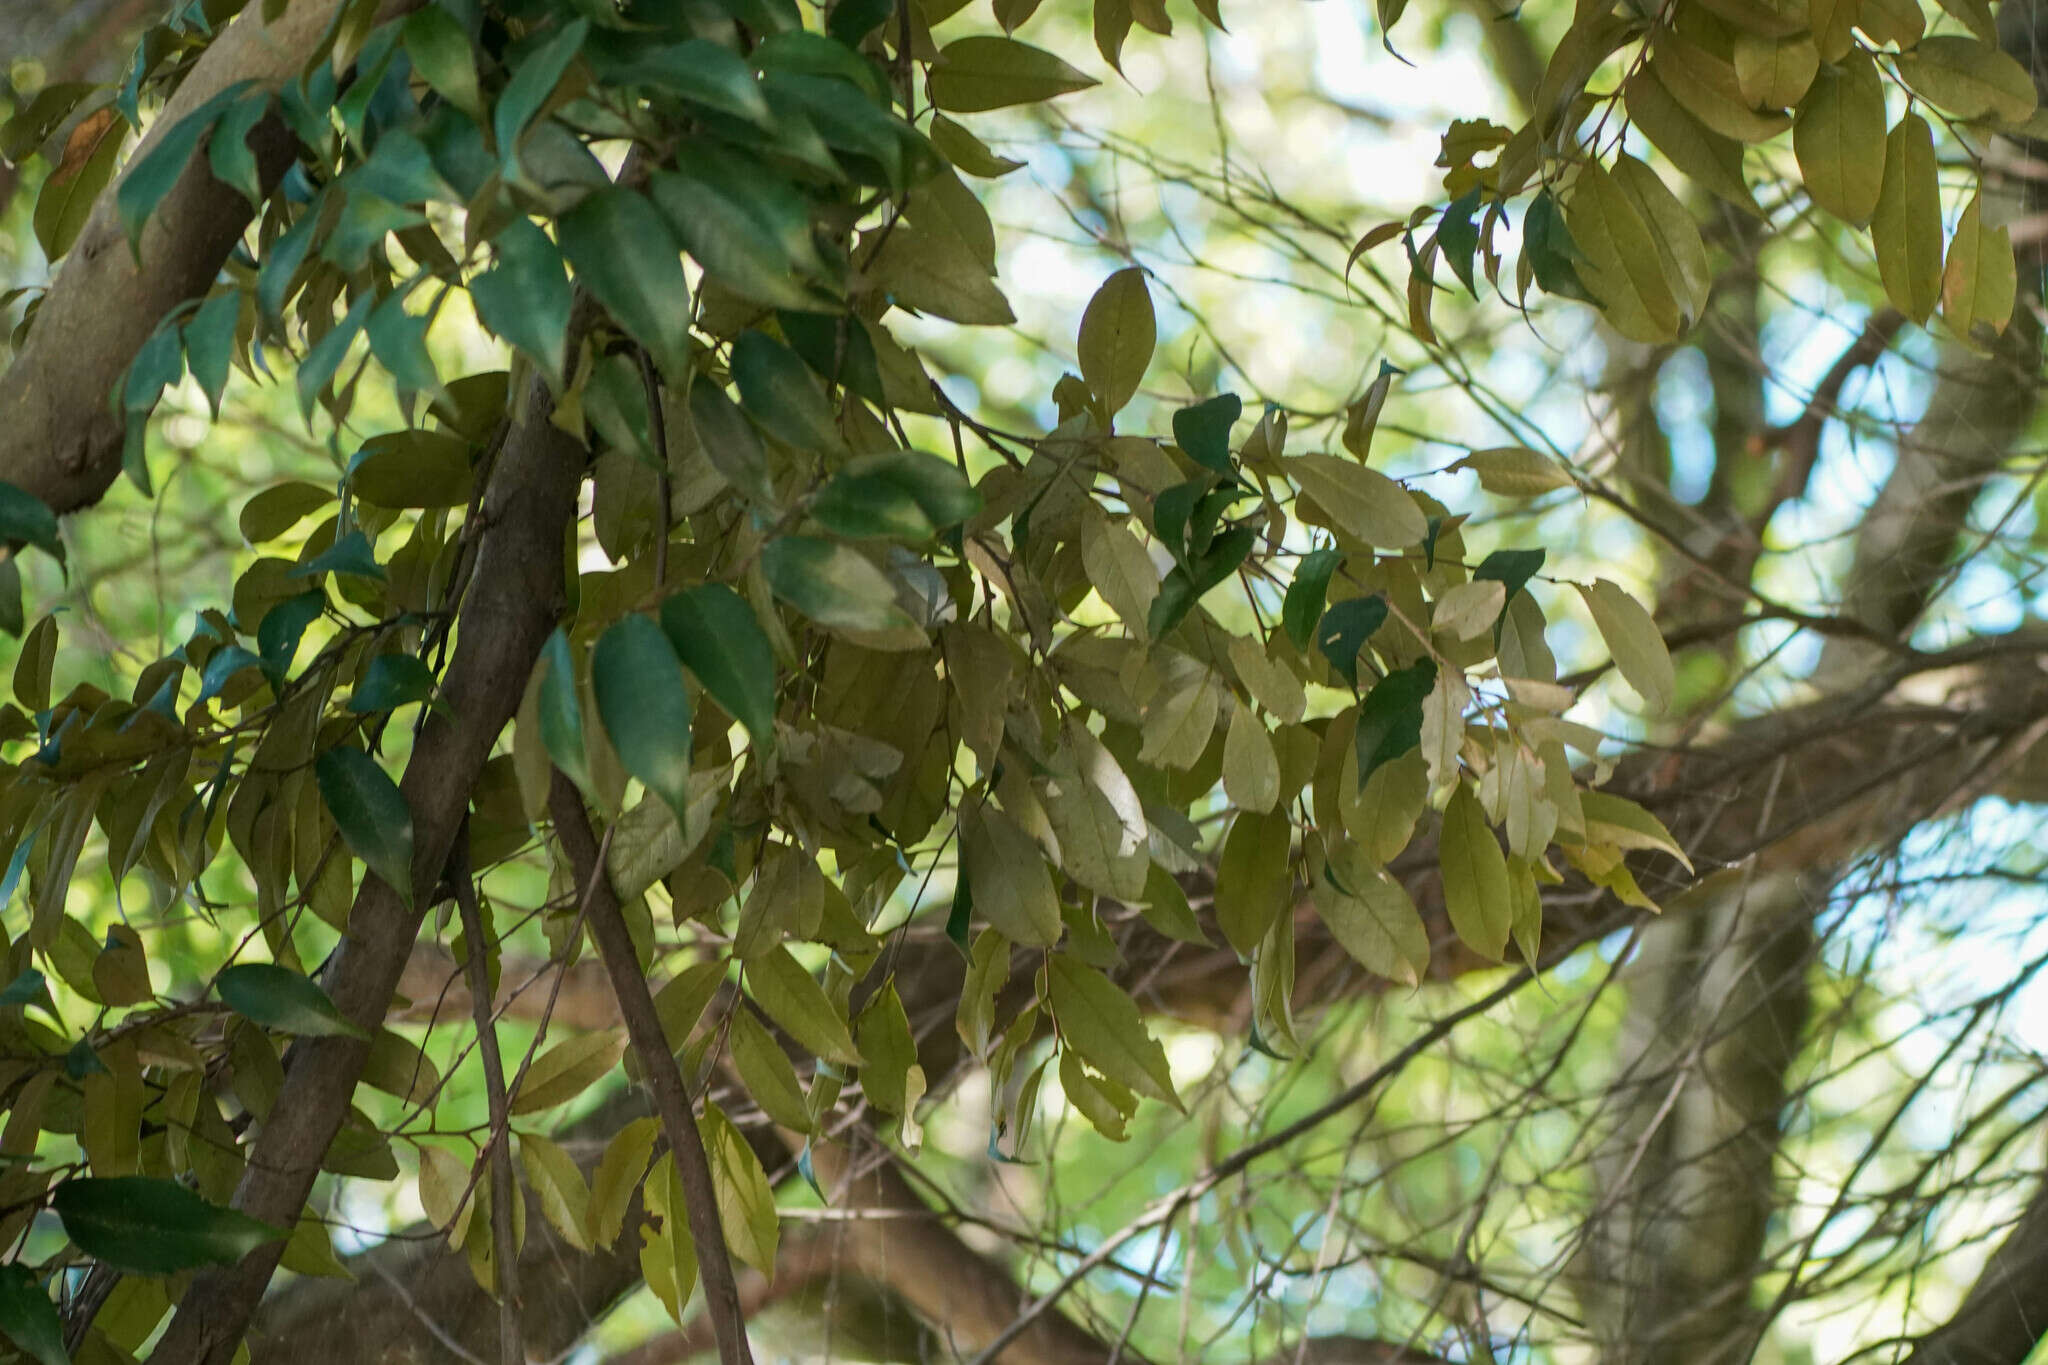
(2005, 1315)
(58, 437)
(516, 595)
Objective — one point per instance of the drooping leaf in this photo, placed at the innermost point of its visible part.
(1905, 228)
(1012, 887)
(1102, 1023)
(625, 255)
(1839, 139)
(1476, 892)
(1637, 644)
(29, 1319)
(1302, 608)
(371, 814)
(833, 584)
(1390, 717)
(525, 296)
(1345, 628)
(715, 634)
(1253, 886)
(1118, 334)
(638, 683)
(566, 1070)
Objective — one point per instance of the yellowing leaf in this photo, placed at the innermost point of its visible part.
(1179, 723)
(1624, 269)
(1102, 1023)
(567, 1069)
(1272, 684)
(564, 1200)
(1892, 21)
(1119, 568)
(1969, 78)
(1007, 875)
(1906, 228)
(766, 1071)
(1830, 22)
(1443, 725)
(1839, 139)
(1117, 337)
(1469, 609)
(1516, 472)
(1677, 237)
(1251, 773)
(1711, 90)
(1370, 914)
(987, 72)
(746, 1203)
(799, 1005)
(616, 1178)
(1099, 820)
(1775, 73)
(1637, 644)
(1621, 822)
(1380, 816)
(938, 273)
(1980, 282)
(1710, 160)
(1475, 878)
(1362, 503)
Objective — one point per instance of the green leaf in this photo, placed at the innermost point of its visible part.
(442, 55)
(279, 633)
(1476, 892)
(228, 151)
(1970, 78)
(1102, 1023)
(714, 632)
(399, 341)
(277, 997)
(561, 711)
(391, 681)
(798, 1004)
(1346, 627)
(1512, 569)
(638, 683)
(833, 584)
(532, 83)
(1839, 139)
(1118, 334)
(1370, 914)
(1390, 717)
(324, 357)
(276, 510)
(150, 177)
(210, 344)
(730, 443)
(1203, 431)
(155, 1227)
(698, 70)
(750, 232)
(1012, 887)
(1303, 606)
(27, 518)
(987, 72)
(525, 297)
(371, 814)
(897, 495)
(766, 1072)
(1361, 502)
(29, 1319)
(351, 555)
(778, 391)
(65, 204)
(1253, 886)
(625, 255)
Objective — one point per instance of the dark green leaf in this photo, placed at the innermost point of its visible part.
(1553, 255)
(624, 254)
(399, 341)
(532, 83)
(899, 495)
(1203, 431)
(34, 122)
(221, 666)
(561, 711)
(699, 71)
(349, 555)
(750, 232)
(730, 442)
(1180, 590)
(27, 518)
(210, 344)
(838, 348)
(1390, 717)
(714, 633)
(371, 814)
(391, 681)
(228, 151)
(279, 633)
(324, 357)
(1303, 606)
(25, 989)
(149, 178)
(525, 297)
(779, 392)
(279, 998)
(1345, 628)
(155, 1227)
(281, 265)
(441, 53)
(412, 468)
(29, 1319)
(833, 584)
(645, 709)
(1457, 236)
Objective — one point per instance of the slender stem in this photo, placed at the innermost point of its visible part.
(658, 1064)
(657, 432)
(511, 1349)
